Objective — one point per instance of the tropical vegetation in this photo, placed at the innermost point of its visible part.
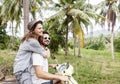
(90, 56)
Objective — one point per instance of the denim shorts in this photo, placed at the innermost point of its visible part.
(23, 77)
(51, 82)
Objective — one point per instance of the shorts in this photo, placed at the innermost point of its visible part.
(51, 82)
(24, 78)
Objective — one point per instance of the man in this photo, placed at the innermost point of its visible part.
(39, 71)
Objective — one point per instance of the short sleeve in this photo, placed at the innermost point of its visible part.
(37, 59)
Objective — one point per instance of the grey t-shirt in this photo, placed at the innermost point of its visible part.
(23, 58)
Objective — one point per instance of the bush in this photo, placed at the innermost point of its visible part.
(96, 43)
(95, 46)
(4, 42)
(6, 62)
(117, 44)
(70, 45)
(14, 43)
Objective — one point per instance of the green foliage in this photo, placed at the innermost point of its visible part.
(95, 67)
(56, 34)
(95, 46)
(14, 43)
(4, 38)
(96, 43)
(70, 45)
(6, 41)
(117, 44)
(56, 41)
(6, 62)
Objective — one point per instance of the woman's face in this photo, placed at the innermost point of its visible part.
(39, 30)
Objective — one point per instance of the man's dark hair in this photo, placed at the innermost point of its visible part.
(45, 32)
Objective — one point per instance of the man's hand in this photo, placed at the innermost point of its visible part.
(53, 65)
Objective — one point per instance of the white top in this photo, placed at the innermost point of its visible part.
(40, 61)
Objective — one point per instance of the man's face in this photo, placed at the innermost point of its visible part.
(46, 39)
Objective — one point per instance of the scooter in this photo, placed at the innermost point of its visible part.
(67, 70)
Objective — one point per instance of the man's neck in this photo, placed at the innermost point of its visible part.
(44, 47)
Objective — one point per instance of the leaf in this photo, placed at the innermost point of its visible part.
(78, 31)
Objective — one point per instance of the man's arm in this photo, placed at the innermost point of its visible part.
(48, 76)
(53, 65)
(38, 63)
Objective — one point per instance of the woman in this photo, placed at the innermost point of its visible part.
(29, 45)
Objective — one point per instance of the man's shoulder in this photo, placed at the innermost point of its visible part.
(37, 56)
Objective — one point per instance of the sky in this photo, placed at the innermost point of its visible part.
(95, 1)
(48, 13)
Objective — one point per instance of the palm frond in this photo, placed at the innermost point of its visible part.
(59, 14)
(76, 12)
(78, 31)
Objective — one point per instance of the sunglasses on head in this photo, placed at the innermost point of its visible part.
(47, 38)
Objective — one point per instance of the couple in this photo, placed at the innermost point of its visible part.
(31, 61)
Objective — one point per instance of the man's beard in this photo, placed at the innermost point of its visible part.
(45, 44)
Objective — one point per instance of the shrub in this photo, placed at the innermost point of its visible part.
(96, 43)
(70, 45)
(4, 38)
(117, 44)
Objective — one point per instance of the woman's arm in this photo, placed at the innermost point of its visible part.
(32, 45)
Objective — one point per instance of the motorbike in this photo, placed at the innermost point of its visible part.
(67, 70)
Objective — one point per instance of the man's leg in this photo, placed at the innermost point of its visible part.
(57, 82)
(51, 82)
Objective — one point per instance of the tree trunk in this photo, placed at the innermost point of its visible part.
(26, 14)
(91, 33)
(74, 45)
(79, 54)
(112, 44)
(12, 37)
(12, 42)
(66, 48)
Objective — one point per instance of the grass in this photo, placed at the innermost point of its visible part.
(6, 61)
(94, 67)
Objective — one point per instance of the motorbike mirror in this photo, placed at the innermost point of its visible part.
(67, 64)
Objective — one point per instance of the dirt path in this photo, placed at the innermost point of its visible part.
(9, 80)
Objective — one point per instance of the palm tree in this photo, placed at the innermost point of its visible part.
(26, 14)
(76, 13)
(110, 15)
(12, 10)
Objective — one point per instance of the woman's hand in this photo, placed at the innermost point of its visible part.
(48, 53)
